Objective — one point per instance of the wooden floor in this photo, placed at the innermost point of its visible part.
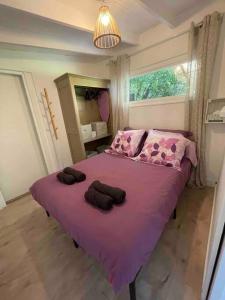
(38, 260)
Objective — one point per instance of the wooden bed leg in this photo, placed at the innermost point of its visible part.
(132, 289)
(47, 213)
(175, 214)
(75, 244)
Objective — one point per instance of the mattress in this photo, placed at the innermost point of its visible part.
(123, 239)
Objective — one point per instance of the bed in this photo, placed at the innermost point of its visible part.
(123, 239)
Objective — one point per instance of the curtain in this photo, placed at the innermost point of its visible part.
(120, 73)
(203, 42)
(2, 201)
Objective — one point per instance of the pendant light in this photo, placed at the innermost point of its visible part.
(106, 33)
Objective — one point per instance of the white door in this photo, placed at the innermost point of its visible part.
(217, 291)
(21, 161)
(216, 230)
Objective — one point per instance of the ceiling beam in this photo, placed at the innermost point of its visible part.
(23, 29)
(158, 10)
(67, 15)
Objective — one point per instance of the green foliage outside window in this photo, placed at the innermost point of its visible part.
(171, 81)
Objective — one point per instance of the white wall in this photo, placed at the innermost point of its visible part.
(163, 115)
(45, 67)
(169, 51)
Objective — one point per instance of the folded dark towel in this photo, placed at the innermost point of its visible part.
(78, 175)
(117, 194)
(98, 199)
(65, 178)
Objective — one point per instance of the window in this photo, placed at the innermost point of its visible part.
(165, 82)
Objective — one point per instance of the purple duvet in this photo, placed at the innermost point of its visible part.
(122, 239)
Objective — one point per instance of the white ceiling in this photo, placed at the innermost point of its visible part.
(174, 12)
(68, 24)
(177, 7)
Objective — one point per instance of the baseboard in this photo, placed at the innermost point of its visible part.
(17, 198)
(211, 183)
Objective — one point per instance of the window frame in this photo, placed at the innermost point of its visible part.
(159, 100)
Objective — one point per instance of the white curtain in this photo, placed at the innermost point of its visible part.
(203, 44)
(120, 73)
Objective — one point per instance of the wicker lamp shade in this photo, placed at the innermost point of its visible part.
(106, 33)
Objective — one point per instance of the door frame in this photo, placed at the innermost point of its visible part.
(215, 233)
(48, 155)
(217, 291)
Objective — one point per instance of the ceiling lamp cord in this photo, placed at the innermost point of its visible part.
(106, 34)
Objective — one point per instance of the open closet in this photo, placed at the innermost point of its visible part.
(86, 108)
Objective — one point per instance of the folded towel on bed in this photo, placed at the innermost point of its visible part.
(78, 175)
(117, 194)
(66, 178)
(98, 199)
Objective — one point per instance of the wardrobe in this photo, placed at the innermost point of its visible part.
(79, 99)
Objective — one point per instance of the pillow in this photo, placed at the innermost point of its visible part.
(165, 149)
(142, 139)
(185, 133)
(190, 150)
(126, 142)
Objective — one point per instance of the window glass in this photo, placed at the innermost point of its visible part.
(165, 82)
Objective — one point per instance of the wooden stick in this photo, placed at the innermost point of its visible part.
(52, 116)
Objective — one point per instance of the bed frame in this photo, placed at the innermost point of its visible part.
(132, 286)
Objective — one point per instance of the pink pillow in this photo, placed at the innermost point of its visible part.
(126, 142)
(163, 149)
(190, 149)
(185, 133)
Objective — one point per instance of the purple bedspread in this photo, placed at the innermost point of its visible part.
(122, 239)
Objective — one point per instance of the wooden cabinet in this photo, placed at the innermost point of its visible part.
(77, 111)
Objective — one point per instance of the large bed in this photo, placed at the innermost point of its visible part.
(122, 239)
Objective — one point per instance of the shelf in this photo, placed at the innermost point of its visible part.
(216, 99)
(97, 138)
(215, 111)
(214, 122)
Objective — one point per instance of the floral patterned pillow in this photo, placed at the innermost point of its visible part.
(190, 150)
(126, 142)
(163, 149)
